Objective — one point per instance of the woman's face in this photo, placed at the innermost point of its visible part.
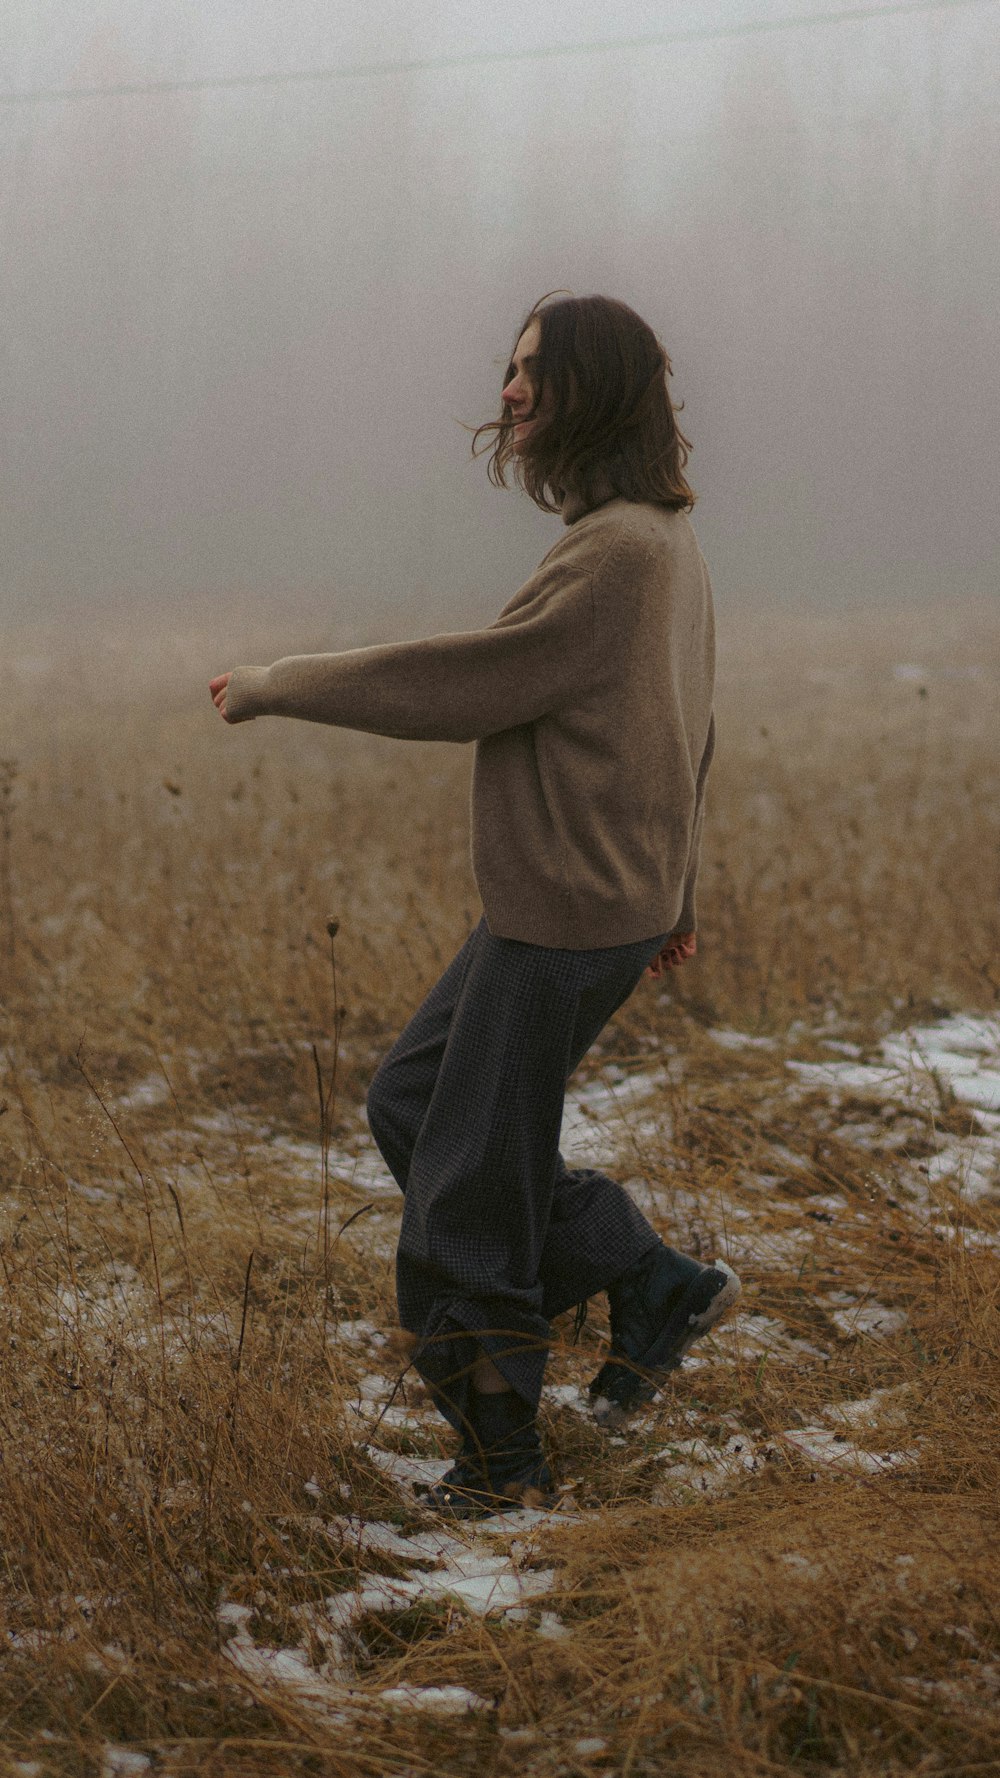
(519, 390)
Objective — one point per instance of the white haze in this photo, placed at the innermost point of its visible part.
(240, 324)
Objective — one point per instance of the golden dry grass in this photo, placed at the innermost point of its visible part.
(178, 1266)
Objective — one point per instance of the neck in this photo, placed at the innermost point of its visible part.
(575, 504)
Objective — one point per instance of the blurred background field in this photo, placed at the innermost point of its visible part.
(263, 263)
(214, 1558)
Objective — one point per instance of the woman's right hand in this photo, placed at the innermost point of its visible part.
(217, 687)
(682, 946)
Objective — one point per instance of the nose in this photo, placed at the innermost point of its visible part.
(517, 394)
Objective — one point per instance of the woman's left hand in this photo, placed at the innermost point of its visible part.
(682, 946)
(217, 687)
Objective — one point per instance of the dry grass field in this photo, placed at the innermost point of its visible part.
(213, 1559)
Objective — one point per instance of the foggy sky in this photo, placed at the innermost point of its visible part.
(240, 326)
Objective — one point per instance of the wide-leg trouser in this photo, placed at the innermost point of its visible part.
(498, 1234)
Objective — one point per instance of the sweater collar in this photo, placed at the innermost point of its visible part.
(575, 504)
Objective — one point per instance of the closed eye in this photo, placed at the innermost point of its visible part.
(511, 372)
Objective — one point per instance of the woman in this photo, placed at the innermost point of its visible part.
(590, 703)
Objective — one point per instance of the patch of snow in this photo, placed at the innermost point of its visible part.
(832, 1205)
(115, 1292)
(375, 1534)
(123, 1762)
(150, 1091)
(850, 1077)
(921, 1069)
(834, 1451)
(598, 1116)
(769, 1249)
(423, 1470)
(567, 1395)
(358, 1333)
(864, 1315)
(741, 1040)
(969, 1237)
(981, 1677)
(802, 1564)
(285, 1669)
(706, 1469)
(761, 1333)
(374, 1387)
(447, 1700)
(363, 1171)
(488, 1584)
(974, 1169)
(883, 1407)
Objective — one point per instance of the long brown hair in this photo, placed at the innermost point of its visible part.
(612, 425)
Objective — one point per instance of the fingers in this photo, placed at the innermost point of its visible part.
(217, 688)
(679, 949)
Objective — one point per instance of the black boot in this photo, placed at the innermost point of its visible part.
(659, 1307)
(501, 1464)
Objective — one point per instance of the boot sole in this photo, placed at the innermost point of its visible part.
(475, 1503)
(643, 1377)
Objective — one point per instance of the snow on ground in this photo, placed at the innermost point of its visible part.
(484, 1570)
(932, 1070)
(602, 1121)
(764, 1221)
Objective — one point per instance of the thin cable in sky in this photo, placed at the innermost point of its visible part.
(482, 58)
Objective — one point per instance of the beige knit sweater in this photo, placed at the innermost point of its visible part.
(590, 702)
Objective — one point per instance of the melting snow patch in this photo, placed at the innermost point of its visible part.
(834, 1451)
(364, 1171)
(285, 1668)
(864, 1315)
(884, 1407)
(448, 1700)
(123, 1762)
(760, 1333)
(409, 1470)
(358, 1333)
(151, 1091)
(488, 1584)
(598, 1117)
(566, 1395)
(375, 1534)
(926, 1069)
(707, 1469)
(115, 1294)
(770, 1249)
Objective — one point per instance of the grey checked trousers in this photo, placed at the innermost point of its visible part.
(498, 1234)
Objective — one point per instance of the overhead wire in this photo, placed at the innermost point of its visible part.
(482, 58)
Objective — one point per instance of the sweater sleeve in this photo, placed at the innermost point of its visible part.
(688, 919)
(538, 653)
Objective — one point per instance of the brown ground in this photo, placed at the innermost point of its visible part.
(178, 1271)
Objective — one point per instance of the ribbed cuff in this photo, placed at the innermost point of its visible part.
(246, 694)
